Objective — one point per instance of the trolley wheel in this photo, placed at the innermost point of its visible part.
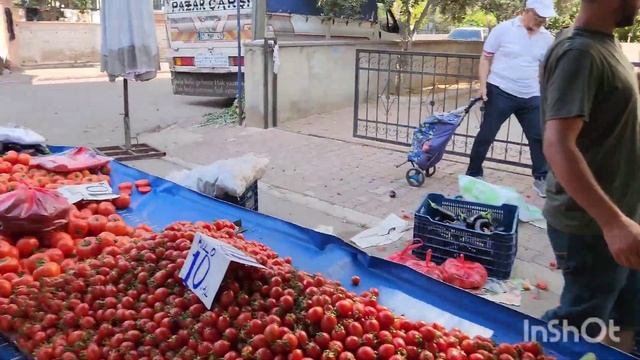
(430, 172)
(415, 177)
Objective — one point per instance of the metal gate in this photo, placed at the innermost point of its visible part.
(396, 90)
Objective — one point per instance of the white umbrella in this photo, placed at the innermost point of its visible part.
(129, 46)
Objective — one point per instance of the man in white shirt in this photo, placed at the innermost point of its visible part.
(509, 84)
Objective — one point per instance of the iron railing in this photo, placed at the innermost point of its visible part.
(396, 90)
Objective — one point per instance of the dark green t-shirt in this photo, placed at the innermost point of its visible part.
(587, 75)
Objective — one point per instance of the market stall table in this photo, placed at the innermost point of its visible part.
(401, 288)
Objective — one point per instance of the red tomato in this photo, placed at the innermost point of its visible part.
(67, 247)
(144, 189)
(9, 265)
(344, 308)
(27, 245)
(365, 353)
(355, 280)
(5, 288)
(55, 238)
(125, 186)
(123, 202)
(106, 208)
(142, 182)
(24, 159)
(5, 167)
(88, 248)
(11, 157)
(78, 228)
(49, 269)
(35, 261)
(315, 315)
(97, 223)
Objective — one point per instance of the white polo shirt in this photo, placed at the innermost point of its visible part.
(516, 57)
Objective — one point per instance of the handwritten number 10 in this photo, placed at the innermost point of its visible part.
(196, 285)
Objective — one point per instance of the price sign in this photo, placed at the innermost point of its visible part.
(206, 265)
(89, 192)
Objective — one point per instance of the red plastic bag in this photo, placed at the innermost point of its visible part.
(464, 274)
(28, 210)
(403, 257)
(76, 159)
(431, 269)
(426, 267)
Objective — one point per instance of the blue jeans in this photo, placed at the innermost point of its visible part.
(498, 108)
(595, 286)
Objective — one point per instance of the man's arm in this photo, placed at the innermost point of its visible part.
(571, 170)
(483, 74)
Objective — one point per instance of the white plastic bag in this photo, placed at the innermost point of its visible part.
(476, 190)
(231, 177)
(20, 135)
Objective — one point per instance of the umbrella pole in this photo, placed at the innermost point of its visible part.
(127, 125)
(240, 59)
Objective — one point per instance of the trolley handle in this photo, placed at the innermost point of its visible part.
(473, 102)
(465, 110)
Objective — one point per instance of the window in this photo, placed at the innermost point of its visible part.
(158, 5)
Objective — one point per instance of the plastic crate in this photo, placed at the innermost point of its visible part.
(496, 251)
(249, 199)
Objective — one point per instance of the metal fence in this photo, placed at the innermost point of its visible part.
(396, 90)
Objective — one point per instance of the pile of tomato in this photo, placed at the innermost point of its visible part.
(128, 302)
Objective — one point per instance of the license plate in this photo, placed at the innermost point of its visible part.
(206, 36)
(212, 59)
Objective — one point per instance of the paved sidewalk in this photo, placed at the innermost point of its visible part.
(353, 178)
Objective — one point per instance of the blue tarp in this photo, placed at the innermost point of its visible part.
(310, 7)
(402, 289)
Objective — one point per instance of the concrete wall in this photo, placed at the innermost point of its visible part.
(41, 43)
(54, 43)
(319, 77)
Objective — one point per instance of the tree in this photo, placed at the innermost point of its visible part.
(480, 18)
(414, 13)
(501, 9)
(348, 9)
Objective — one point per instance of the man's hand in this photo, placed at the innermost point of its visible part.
(483, 93)
(623, 239)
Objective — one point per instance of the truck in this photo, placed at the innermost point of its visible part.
(203, 36)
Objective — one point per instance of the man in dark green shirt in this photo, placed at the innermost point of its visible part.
(590, 109)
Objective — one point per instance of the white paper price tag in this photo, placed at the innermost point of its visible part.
(206, 265)
(89, 192)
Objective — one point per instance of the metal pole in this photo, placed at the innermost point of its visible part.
(274, 90)
(240, 59)
(265, 82)
(127, 126)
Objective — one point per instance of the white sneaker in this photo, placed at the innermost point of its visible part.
(540, 187)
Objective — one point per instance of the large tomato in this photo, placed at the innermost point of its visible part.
(27, 245)
(78, 228)
(9, 265)
(88, 248)
(49, 269)
(97, 224)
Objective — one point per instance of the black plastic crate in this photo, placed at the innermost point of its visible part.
(249, 199)
(496, 251)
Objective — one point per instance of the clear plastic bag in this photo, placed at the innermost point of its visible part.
(30, 210)
(76, 159)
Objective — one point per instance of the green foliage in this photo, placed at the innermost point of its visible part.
(225, 117)
(480, 18)
(501, 9)
(347, 9)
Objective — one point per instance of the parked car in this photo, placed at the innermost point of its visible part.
(468, 34)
